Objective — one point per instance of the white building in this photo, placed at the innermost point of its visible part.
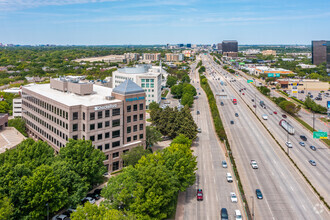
(17, 108)
(148, 77)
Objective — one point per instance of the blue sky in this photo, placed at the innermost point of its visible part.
(113, 22)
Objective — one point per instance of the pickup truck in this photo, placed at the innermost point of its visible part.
(254, 164)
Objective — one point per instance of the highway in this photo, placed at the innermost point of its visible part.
(211, 177)
(319, 175)
(286, 193)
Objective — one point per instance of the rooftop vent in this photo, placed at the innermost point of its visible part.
(109, 97)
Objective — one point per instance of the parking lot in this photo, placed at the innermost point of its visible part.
(314, 94)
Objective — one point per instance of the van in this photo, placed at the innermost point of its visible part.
(229, 178)
(238, 215)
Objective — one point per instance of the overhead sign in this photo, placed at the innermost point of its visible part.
(320, 135)
(249, 81)
(273, 75)
(328, 104)
(105, 107)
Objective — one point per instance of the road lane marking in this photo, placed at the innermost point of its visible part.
(303, 207)
(216, 196)
(291, 188)
(214, 179)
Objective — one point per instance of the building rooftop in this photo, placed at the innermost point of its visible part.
(142, 69)
(128, 87)
(98, 97)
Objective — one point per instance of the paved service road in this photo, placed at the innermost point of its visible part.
(211, 177)
(286, 194)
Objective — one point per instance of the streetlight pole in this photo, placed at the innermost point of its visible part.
(313, 120)
(252, 198)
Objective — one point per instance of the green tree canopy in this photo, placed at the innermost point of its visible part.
(181, 139)
(19, 124)
(133, 156)
(152, 136)
(171, 81)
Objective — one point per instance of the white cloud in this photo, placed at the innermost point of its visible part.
(6, 5)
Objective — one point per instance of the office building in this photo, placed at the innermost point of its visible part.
(113, 119)
(17, 108)
(148, 77)
(188, 45)
(219, 47)
(172, 57)
(151, 56)
(319, 51)
(229, 46)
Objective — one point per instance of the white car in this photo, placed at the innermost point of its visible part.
(229, 178)
(265, 117)
(254, 164)
(88, 199)
(233, 197)
(288, 144)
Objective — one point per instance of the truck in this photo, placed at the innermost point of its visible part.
(286, 126)
(254, 164)
(234, 101)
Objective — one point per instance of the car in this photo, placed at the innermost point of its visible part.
(238, 215)
(259, 194)
(199, 130)
(224, 164)
(199, 93)
(243, 93)
(275, 113)
(302, 144)
(288, 144)
(60, 217)
(236, 114)
(198, 112)
(312, 162)
(199, 195)
(232, 122)
(254, 106)
(229, 178)
(88, 199)
(284, 116)
(311, 96)
(252, 100)
(233, 197)
(264, 116)
(254, 164)
(224, 214)
(303, 137)
(313, 148)
(221, 103)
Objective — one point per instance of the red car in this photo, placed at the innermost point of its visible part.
(199, 195)
(275, 113)
(243, 93)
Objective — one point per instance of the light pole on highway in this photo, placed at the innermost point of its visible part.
(313, 120)
(252, 198)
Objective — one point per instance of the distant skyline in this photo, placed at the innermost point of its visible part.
(146, 22)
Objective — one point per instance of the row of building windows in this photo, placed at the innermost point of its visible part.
(106, 135)
(46, 106)
(135, 128)
(135, 118)
(99, 114)
(147, 85)
(135, 107)
(147, 80)
(135, 137)
(46, 115)
(115, 123)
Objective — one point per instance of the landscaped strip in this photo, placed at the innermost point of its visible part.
(222, 135)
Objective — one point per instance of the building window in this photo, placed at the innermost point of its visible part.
(99, 125)
(135, 108)
(143, 80)
(107, 157)
(116, 123)
(135, 137)
(99, 147)
(141, 116)
(107, 135)
(129, 108)
(115, 155)
(129, 119)
(141, 136)
(75, 127)
(107, 113)
(92, 116)
(147, 80)
(83, 115)
(134, 117)
(115, 111)
(106, 146)
(141, 106)
(115, 144)
(135, 128)
(143, 85)
(99, 114)
(129, 139)
(107, 124)
(152, 80)
(75, 137)
(91, 127)
(75, 116)
(151, 85)
(125, 151)
(99, 137)
(141, 127)
(115, 134)
(115, 166)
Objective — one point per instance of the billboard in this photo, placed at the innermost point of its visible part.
(273, 75)
(328, 104)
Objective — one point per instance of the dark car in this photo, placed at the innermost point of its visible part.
(284, 116)
(199, 195)
(221, 103)
(198, 112)
(224, 214)
(252, 100)
(259, 194)
(236, 114)
(313, 148)
(303, 137)
(232, 122)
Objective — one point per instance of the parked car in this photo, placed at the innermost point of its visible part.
(224, 164)
(259, 194)
(88, 199)
(303, 137)
(313, 148)
(199, 195)
(60, 217)
(312, 162)
(233, 197)
(224, 214)
(302, 144)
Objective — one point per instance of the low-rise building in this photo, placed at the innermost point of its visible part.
(274, 71)
(306, 66)
(3, 121)
(173, 57)
(113, 119)
(269, 52)
(17, 108)
(151, 56)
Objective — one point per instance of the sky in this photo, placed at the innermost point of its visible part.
(147, 22)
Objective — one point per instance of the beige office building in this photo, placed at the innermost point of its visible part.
(151, 56)
(174, 57)
(113, 119)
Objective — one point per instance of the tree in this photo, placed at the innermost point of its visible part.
(185, 79)
(187, 99)
(181, 139)
(6, 208)
(133, 156)
(171, 81)
(19, 124)
(84, 159)
(289, 107)
(4, 107)
(152, 136)
(153, 106)
(177, 90)
(188, 88)
(186, 124)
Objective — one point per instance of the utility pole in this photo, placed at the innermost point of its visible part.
(252, 198)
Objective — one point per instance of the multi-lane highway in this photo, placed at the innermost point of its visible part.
(211, 177)
(286, 194)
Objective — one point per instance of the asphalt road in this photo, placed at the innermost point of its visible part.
(286, 194)
(211, 177)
